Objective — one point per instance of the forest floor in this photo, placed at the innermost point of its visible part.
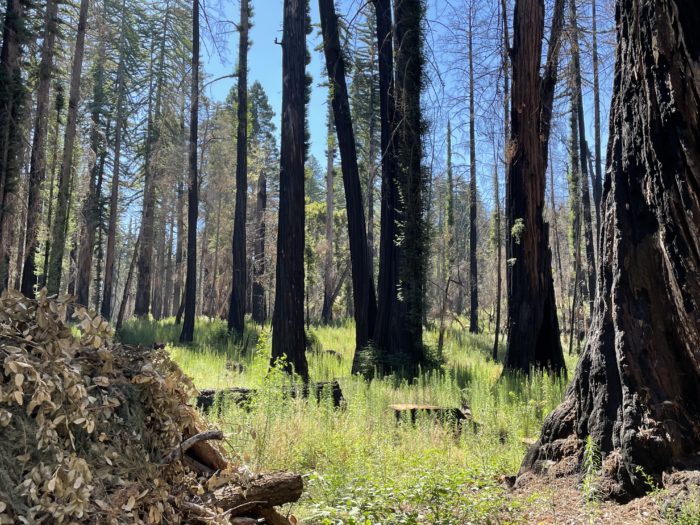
(362, 468)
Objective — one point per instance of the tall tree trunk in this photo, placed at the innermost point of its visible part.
(91, 204)
(365, 303)
(240, 271)
(387, 327)
(598, 178)
(11, 102)
(259, 310)
(215, 280)
(60, 106)
(187, 335)
(636, 386)
(449, 258)
(473, 269)
(533, 327)
(288, 338)
(37, 167)
(408, 16)
(58, 235)
(112, 225)
(145, 259)
(506, 131)
(583, 157)
(327, 309)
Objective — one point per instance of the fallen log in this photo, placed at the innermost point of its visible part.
(264, 492)
(445, 415)
(242, 397)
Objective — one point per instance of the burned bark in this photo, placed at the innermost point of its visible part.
(533, 327)
(364, 298)
(637, 384)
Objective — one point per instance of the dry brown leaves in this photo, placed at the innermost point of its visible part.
(84, 421)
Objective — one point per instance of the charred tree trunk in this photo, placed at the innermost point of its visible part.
(240, 272)
(187, 335)
(387, 327)
(259, 310)
(533, 327)
(636, 386)
(598, 178)
(364, 298)
(327, 310)
(473, 267)
(37, 168)
(288, 337)
(58, 236)
(408, 16)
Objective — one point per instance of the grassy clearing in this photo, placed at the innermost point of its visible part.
(360, 466)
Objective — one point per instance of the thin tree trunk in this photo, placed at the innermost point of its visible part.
(58, 235)
(288, 338)
(506, 131)
(187, 335)
(37, 169)
(108, 291)
(327, 310)
(259, 310)
(583, 154)
(598, 178)
(365, 305)
(127, 285)
(60, 103)
(240, 270)
(473, 268)
(145, 261)
(637, 383)
(533, 327)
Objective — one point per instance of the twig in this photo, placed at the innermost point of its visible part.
(189, 443)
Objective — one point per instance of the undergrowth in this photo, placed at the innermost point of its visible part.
(361, 467)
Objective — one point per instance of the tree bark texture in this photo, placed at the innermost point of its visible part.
(236, 313)
(364, 297)
(187, 335)
(288, 337)
(259, 310)
(37, 167)
(473, 265)
(636, 387)
(58, 235)
(533, 327)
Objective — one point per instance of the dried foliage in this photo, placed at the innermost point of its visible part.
(86, 423)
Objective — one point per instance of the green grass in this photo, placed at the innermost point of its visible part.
(360, 467)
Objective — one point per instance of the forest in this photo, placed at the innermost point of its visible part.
(350, 262)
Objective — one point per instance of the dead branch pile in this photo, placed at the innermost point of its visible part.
(93, 431)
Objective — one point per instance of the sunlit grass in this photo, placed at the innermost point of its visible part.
(360, 466)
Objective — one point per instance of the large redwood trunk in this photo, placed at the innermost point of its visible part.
(637, 384)
(365, 303)
(288, 337)
(533, 327)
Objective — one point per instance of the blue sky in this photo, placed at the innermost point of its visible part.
(265, 65)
